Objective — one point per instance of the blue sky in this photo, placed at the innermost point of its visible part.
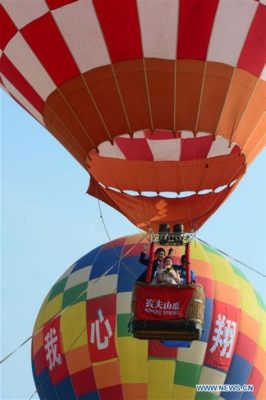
(48, 222)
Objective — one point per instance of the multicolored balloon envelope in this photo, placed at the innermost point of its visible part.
(82, 349)
(162, 101)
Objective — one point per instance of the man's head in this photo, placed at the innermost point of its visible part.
(160, 253)
(183, 260)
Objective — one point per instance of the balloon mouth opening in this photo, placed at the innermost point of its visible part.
(167, 164)
(170, 195)
(165, 145)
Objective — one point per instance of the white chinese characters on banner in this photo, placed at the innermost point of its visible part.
(159, 307)
(224, 336)
(97, 328)
(52, 356)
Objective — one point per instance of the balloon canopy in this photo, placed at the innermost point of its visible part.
(162, 101)
(81, 347)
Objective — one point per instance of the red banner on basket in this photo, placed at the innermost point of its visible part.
(156, 303)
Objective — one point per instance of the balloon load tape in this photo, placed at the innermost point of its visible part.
(174, 237)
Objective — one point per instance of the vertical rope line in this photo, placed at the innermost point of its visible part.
(139, 205)
(96, 106)
(224, 103)
(201, 97)
(106, 231)
(231, 80)
(59, 89)
(121, 99)
(101, 216)
(235, 133)
(144, 68)
(249, 137)
(175, 79)
(68, 131)
(113, 70)
(76, 117)
(148, 92)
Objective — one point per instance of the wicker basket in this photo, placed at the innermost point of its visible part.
(196, 306)
(188, 328)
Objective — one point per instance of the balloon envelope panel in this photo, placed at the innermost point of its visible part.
(154, 87)
(82, 349)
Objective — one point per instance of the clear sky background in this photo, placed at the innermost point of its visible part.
(48, 222)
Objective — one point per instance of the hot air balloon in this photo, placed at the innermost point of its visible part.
(82, 349)
(162, 101)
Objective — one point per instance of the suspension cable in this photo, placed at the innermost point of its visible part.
(102, 219)
(119, 259)
(234, 259)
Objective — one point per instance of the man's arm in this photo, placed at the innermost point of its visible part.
(193, 276)
(142, 258)
(181, 273)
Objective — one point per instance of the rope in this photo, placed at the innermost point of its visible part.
(109, 269)
(69, 348)
(15, 350)
(33, 394)
(121, 99)
(119, 259)
(96, 106)
(55, 316)
(148, 93)
(234, 259)
(97, 280)
(101, 216)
